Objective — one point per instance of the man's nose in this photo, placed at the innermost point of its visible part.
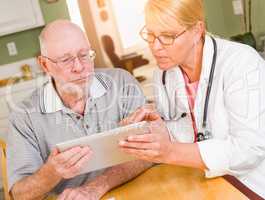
(78, 66)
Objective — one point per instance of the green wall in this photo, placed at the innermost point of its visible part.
(221, 20)
(27, 41)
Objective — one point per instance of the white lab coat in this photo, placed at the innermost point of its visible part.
(236, 113)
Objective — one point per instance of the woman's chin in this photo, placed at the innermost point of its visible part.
(165, 66)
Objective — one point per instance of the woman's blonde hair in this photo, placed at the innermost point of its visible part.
(181, 12)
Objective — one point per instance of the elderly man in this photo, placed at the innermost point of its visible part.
(76, 102)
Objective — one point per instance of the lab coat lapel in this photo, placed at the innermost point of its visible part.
(177, 101)
(208, 51)
(176, 86)
(182, 128)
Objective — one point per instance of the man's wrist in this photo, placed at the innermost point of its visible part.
(99, 185)
(49, 170)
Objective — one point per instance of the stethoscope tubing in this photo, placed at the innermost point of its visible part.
(209, 87)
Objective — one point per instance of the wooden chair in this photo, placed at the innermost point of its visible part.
(127, 62)
(4, 170)
(7, 196)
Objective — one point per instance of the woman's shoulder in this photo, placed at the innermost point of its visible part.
(237, 56)
(238, 61)
(232, 49)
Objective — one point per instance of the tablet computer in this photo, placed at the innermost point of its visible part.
(105, 147)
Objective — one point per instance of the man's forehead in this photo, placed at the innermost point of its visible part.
(64, 33)
(64, 38)
(62, 50)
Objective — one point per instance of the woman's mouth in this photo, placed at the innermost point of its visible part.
(162, 59)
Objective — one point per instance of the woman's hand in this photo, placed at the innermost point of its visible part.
(153, 147)
(145, 113)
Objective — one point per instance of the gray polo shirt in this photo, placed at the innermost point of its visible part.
(40, 122)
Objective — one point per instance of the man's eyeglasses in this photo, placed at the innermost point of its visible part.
(84, 57)
(164, 39)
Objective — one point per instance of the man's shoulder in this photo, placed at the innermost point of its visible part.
(29, 104)
(114, 75)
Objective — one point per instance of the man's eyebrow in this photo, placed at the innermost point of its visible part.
(70, 55)
(65, 55)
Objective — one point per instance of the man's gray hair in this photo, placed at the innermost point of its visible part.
(42, 39)
(42, 46)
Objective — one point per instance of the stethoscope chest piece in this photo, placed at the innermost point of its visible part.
(205, 135)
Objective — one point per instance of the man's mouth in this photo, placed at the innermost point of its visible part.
(80, 80)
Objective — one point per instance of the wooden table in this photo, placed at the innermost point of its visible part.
(164, 182)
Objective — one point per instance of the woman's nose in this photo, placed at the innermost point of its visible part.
(157, 45)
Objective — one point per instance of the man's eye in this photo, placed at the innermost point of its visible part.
(65, 60)
(84, 56)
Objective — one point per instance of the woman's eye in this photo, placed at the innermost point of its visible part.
(167, 36)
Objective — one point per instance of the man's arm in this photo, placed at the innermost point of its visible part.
(118, 175)
(58, 167)
(37, 185)
(108, 180)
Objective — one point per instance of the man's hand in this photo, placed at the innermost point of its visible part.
(80, 193)
(69, 164)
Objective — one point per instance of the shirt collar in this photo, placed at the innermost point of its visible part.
(53, 103)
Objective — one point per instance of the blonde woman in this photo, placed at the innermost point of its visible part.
(210, 98)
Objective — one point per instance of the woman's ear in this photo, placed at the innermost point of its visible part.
(199, 31)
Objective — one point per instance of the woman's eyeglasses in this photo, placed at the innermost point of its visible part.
(164, 39)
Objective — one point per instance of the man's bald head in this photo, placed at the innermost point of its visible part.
(61, 36)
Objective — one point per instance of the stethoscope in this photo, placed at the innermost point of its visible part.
(204, 134)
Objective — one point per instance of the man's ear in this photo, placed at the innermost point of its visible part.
(42, 62)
